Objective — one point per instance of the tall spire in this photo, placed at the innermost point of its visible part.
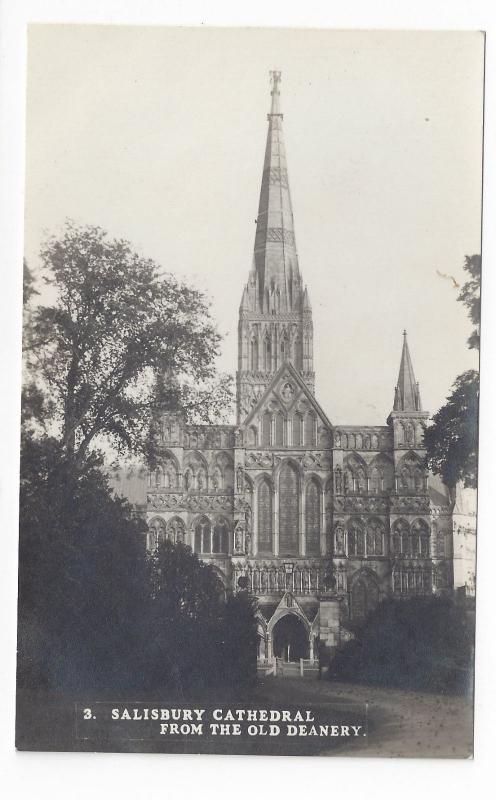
(275, 257)
(275, 314)
(407, 393)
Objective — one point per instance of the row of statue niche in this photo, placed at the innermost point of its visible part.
(216, 480)
(360, 441)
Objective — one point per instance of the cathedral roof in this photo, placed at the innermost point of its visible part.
(407, 394)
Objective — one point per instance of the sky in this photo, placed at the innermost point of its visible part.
(158, 135)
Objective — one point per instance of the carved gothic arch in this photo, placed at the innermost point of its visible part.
(157, 521)
(422, 523)
(223, 459)
(298, 467)
(410, 458)
(193, 459)
(263, 477)
(261, 622)
(279, 613)
(401, 524)
(381, 460)
(364, 572)
(354, 460)
(313, 477)
(199, 518)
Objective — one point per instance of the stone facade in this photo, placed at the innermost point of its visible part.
(319, 521)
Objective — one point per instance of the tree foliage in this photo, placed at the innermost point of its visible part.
(96, 613)
(416, 643)
(117, 327)
(470, 297)
(451, 441)
(82, 574)
(193, 635)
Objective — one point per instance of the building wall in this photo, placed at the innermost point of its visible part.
(359, 518)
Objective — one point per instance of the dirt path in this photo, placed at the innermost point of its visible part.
(393, 722)
(401, 723)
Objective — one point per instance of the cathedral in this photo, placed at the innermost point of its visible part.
(318, 521)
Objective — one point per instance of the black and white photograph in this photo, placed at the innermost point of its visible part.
(250, 392)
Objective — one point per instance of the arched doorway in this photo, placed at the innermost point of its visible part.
(290, 638)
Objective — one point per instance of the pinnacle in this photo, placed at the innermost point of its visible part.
(407, 394)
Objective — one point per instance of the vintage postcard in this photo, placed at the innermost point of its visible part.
(248, 482)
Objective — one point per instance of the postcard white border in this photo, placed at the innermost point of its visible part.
(140, 775)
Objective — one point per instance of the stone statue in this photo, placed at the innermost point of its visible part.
(329, 579)
(287, 392)
(339, 540)
(238, 537)
(240, 479)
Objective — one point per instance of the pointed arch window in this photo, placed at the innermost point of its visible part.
(421, 536)
(157, 532)
(374, 538)
(297, 430)
(220, 537)
(264, 518)
(312, 518)
(267, 354)
(288, 510)
(254, 354)
(266, 425)
(203, 536)
(175, 530)
(356, 539)
(310, 430)
(279, 430)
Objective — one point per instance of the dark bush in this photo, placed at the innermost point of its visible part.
(420, 643)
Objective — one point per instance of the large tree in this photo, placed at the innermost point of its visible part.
(82, 575)
(451, 440)
(116, 328)
(95, 613)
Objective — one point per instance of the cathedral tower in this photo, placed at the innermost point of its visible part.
(275, 315)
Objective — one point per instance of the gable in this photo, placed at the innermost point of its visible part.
(288, 395)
